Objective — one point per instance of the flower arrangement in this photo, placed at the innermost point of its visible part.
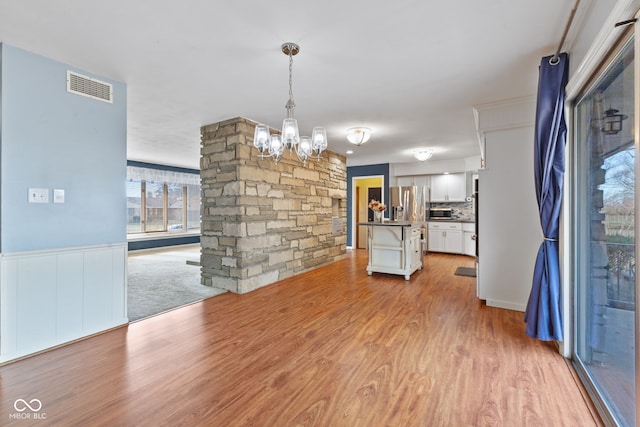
(375, 205)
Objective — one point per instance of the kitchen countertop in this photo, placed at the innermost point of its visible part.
(419, 223)
(393, 223)
(452, 220)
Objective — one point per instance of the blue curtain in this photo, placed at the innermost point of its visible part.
(544, 308)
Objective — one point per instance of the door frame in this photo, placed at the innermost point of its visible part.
(600, 48)
(354, 204)
(603, 46)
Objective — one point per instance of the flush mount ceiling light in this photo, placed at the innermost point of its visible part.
(358, 135)
(423, 155)
(304, 146)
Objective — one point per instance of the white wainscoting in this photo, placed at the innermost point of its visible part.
(48, 298)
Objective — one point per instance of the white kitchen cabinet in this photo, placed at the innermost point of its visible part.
(439, 188)
(417, 180)
(448, 188)
(435, 239)
(468, 237)
(453, 241)
(416, 247)
(394, 248)
(445, 237)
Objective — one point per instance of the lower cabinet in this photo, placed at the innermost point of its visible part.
(416, 247)
(435, 240)
(446, 237)
(469, 239)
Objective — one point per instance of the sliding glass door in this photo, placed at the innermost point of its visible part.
(604, 250)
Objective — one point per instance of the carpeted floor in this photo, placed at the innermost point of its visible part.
(162, 280)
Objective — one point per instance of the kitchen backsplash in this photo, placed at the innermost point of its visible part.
(461, 211)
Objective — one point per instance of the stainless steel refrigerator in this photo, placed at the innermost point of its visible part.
(407, 203)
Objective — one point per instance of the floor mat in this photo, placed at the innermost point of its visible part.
(465, 271)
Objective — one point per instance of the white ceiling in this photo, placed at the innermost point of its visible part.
(409, 69)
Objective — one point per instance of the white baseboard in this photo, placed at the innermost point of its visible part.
(506, 304)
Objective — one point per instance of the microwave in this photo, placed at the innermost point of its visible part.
(440, 213)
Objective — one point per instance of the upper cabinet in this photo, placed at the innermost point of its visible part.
(448, 188)
(418, 180)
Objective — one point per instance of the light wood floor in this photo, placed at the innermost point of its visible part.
(332, 347)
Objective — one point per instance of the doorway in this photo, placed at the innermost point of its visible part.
(604, 251)
(163, 279)
(365, 189)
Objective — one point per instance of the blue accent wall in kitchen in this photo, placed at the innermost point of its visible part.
(367, 170)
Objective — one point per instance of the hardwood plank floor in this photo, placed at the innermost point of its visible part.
(332, 347)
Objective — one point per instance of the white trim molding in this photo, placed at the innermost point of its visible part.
(503, 115)
(601, 46)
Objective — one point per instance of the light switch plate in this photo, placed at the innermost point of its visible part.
(38, 195)
(58, 195)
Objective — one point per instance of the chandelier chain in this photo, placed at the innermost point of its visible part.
(291, 104)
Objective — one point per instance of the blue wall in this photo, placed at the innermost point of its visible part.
(356, 171)
(50, 138)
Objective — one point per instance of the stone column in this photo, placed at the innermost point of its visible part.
(263, 222)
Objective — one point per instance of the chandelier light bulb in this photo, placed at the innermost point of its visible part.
(290, 133)
(261, 138)
(319, 140)
(276, 149)
(304, 149)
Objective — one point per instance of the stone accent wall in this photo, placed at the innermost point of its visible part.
(263, 222)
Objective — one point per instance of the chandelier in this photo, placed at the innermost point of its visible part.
(303, 146)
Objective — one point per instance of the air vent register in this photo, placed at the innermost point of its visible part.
(86, 86)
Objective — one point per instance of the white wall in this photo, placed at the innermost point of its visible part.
(509, 229)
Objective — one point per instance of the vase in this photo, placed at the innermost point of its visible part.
(377, 216)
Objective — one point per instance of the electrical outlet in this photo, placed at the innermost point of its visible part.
(38, 195)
